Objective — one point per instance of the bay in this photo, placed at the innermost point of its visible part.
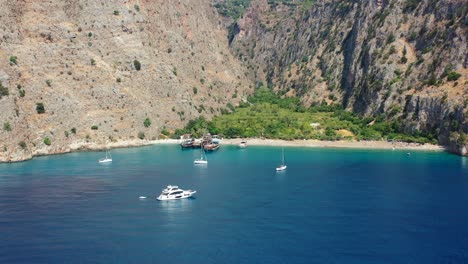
(329, 206)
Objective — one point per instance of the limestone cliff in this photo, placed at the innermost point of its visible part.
(399, 59)
(100, 68)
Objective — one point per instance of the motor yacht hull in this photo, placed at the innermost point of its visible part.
(184, 195)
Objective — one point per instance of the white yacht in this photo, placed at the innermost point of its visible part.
(172, 192)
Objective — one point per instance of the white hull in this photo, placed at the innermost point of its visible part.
(185, 194)
(281, 168)
(105, 160)
(200, 162)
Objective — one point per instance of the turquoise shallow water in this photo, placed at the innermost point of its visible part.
(330, 206)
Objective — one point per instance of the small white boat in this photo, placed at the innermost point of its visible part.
(172, 192)
(283, 166)
(243, 144)
(202, 159)
(107, 159)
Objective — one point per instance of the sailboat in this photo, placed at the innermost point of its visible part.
(107, 159)
(283, 166)
(202, 159)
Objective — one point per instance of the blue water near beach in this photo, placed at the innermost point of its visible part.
(329, 206)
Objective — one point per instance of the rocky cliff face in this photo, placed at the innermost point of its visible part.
(400, 59)
(85, 74)
(100, 68)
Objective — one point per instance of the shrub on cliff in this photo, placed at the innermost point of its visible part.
(147, 122)
(137, 65)
(453, 76)
(13, 60)
(40, 108)
(47, 141)
(23, 145)
(3, 91)
(7, 126)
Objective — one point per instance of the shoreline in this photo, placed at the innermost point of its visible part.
(320, 144)
(92, 146)
(336, 144)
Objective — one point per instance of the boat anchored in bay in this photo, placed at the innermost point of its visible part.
(172, 192)
(282, 166)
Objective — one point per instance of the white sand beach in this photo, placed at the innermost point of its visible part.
(320, 144)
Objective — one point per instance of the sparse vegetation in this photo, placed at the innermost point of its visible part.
(147, 122)
(93, 62)
(40, 109)
(410, 5)
(137, 65)
(119, 80)
(453, 76)
(165, 132)
(3, 90)
(13, 60)
(7, 126)
(233, 9)
(116, 12)
(73, 130)
(23, 145)
(47, 141)
(49, 82)
(94, 127)
(141, 135)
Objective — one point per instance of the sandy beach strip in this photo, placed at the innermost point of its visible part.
(320, 144)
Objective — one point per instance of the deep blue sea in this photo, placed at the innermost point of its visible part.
(329, 206)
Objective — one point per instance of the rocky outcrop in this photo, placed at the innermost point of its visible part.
(406, 60)
(101, 68)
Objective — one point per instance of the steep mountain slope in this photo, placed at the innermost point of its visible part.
(400, 59)
(101, 68)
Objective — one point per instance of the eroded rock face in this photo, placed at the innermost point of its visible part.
(373, 57)
(100, 68)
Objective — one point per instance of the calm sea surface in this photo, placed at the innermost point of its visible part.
(330, 206)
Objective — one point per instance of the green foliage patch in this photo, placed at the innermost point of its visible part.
(267, 115)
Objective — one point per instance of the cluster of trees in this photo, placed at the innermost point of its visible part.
(267, 115)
